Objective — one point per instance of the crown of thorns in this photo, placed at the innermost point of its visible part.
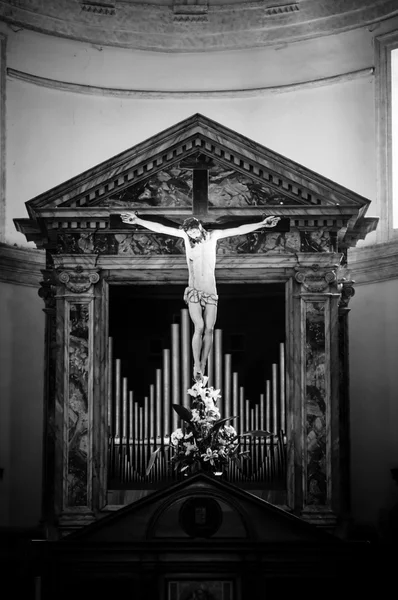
(191, 223)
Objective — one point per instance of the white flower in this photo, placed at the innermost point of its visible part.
(214, 394)
(176, 436)
(188, 435)
(229, 430)
(189, 448)
(209, 403)
(195, 415)
(210, 455)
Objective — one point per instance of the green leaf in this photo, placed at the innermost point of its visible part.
(152, 461)
(184, 413)
(257, 433)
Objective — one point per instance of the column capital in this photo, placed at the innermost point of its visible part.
(78, 280)
(316, 278)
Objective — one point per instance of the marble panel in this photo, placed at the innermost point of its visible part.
(315, 403)
(152, 244)
(261, 242)
(78, 404)
(229, 188)
(166, 188)
(317, 241)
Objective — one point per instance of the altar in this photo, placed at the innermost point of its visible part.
(108, 400)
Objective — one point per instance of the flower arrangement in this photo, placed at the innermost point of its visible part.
(204, 441)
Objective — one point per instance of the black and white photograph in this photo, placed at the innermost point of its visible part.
(198, 299)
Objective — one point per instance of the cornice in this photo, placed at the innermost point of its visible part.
(21, 266)
(92, 90)
(366, 265)
(372, 264)
(159, 27)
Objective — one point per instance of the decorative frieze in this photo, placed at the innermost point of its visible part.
(148, 243)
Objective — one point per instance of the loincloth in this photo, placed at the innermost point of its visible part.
(194, 295)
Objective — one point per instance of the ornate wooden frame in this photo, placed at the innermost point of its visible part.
(73, 222)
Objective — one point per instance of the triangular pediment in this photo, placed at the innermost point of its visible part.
(244, 179)
(160, 516)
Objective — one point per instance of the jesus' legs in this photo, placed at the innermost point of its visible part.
(210, 315)
(195, 312)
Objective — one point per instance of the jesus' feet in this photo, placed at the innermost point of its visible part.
(197, 373)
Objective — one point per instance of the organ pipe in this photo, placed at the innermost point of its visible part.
(227, 386)
(268, 405)
(166, 390)
(152, 410)
(158, 403)
(210, 367)
(274, 398)
(117, 398)
(110, 384)
(235, 396)
(185, 355)
(175, 362)
(136, 428)
(123, 424)
(282, 386)
(241, 421)
(218, 358)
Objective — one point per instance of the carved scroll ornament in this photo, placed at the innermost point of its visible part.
(316, 279)
(79, 280)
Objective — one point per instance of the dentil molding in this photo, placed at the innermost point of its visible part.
(175, 26)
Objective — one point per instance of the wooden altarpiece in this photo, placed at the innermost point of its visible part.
(197, 167)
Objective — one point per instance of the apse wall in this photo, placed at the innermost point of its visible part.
(54, 132)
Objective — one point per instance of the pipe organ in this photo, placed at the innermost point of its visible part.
(138, 426)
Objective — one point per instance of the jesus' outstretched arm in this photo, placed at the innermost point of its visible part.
(132, 218)
(247, 228)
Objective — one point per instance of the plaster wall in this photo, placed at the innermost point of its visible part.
(21, 405)
(374, 405)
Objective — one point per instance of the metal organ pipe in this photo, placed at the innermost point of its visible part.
(158, 403)
(274, 398)
(282, 386)
(227, 386)
(117, 398)
(185, 355)
(175, 367)
(218, 358)
(136, 429)
(166, 390)
(110, 385)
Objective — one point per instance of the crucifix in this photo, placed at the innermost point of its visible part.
(200, 250)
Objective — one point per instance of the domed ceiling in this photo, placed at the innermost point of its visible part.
(193, 25)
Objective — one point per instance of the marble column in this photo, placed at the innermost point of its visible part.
(74, 392)
(315, 419)
(47, 293)
(347, 292)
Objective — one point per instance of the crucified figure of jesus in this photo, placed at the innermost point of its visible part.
(201, 294)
